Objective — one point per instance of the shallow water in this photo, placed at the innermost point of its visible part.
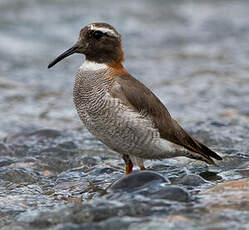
(55, 175)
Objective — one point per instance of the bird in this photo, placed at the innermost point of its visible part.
(121, 111)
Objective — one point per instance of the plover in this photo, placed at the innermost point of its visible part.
(119, 110)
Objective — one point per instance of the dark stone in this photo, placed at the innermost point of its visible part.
(47, 133)
(191, 180)
(210, 176)
(217, 124)
(138, 180)
(169, 192)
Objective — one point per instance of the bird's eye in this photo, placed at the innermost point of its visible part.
(97, 34)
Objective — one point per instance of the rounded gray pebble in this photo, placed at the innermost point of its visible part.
(191, 180)
(170, 192)
(138, 180)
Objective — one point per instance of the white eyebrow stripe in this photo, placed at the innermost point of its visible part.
(104, 30)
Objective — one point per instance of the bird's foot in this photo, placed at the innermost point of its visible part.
(140, 163)
(128, 164)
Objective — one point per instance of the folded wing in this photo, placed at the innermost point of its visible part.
(144, 101)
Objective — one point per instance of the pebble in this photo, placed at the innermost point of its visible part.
(138, 180)
(210, 176)
(191, 180)
(169, 192)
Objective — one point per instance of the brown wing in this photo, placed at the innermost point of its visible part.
(143, 100)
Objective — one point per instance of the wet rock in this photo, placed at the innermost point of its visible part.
(210, 176)
(110, 224)
(217, 123)
(178, 218)
(232, 162)
(94, 211)
(88, 161)
(228, 195)
(5, 161)
(31, 142)
(178, 222)
(68, 145)
(55, 164)
(138, 180)
(16, 227)
(27, 137)
(102, 171)
(3, 149)
(70, 226)
(19, 150)
(57, 159)
(57, 152)
(244, 169)
(217, 136)
(161, 167)
(150, 185)
(191, 180)
(17, 175)
(71, 183)
(169, 192)
(45, 133)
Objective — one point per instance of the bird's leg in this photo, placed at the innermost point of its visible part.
(140, 163)
(128, 163)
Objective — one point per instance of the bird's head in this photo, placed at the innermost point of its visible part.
(99, 42)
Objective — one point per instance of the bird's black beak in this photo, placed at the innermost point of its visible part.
(67, 53)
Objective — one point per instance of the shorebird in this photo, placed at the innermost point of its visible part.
(119, 110)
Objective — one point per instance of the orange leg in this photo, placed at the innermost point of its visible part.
(128, 164)
(128, 168)
(140, 163)
(142, 168)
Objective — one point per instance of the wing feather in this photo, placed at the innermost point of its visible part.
(136, 94)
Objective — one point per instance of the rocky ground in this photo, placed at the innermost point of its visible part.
(55, 175)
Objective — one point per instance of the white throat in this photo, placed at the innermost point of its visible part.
(92, 66)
